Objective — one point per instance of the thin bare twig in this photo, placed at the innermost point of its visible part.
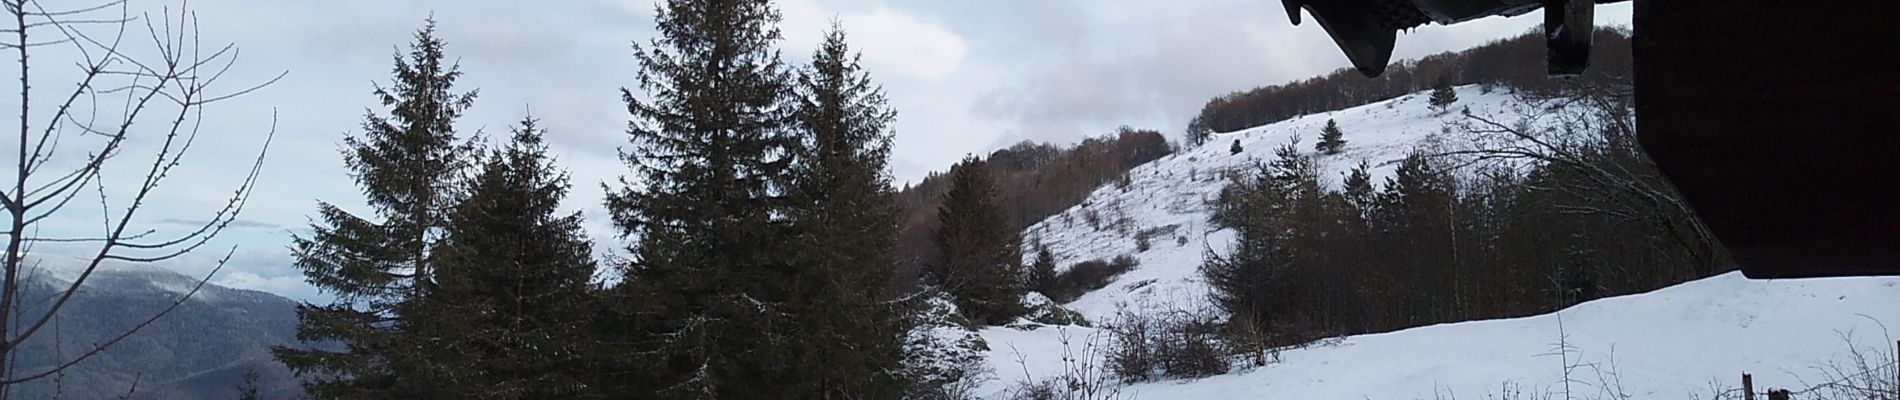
(182, 73)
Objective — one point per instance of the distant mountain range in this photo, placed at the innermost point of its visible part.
(201, 350)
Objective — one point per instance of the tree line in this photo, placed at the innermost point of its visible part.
(1508, 62)
(757, 214)
(1556, 207)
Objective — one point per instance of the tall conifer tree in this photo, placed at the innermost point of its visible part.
(1358, 189)
(1042, 272)
(1416, 205)
(981, 258)
(703, 295)
(406, 163)
(505, 318)
(844, 216)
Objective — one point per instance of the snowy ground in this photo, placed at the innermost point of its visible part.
(1674, 343)
(1669, 344)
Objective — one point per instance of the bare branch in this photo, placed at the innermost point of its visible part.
(44, 13)
(183, 74)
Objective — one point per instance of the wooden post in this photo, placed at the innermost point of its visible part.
(1748, 387)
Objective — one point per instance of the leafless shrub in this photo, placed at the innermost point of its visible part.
(1506, 391)
(1591, 132)
(1863, 373)
(1035, 390)
(1082, 377)
(1252, 342)
(1591, 381)
(69, 144)
(1175, 344)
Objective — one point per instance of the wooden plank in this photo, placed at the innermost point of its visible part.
(1748, 387)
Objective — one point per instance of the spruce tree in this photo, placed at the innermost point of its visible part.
(1416, 193)
(1042, 272)
(406, 163)
(844, 215)
(1442, 94)
(1415, 206)
(980, 258)
(505, 317)
(1358, 188)
(704, 290)
(1331, 139)
(1248, 281)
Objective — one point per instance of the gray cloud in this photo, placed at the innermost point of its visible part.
(1083, 67)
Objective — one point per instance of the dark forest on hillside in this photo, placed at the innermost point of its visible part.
(1033, 181)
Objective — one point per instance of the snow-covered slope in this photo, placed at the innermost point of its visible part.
(62, 270)
(199, 350)
(1171, 195)
(1673, 343)
(1669, 344)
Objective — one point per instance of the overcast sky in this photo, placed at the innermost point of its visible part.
(966, 77)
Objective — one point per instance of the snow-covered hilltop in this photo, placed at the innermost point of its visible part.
(1673, 343)
(1168, 197)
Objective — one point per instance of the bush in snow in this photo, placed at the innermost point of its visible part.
(1442, 94)
(1037, 390)
(1176, 344)
(943, 360)
(1088, 275)
(1144, 238)
(1042, 310)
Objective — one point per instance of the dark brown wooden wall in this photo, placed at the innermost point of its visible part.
(1780, 122)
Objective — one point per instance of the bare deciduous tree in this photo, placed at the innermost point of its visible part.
(1591, 130)
(128, 86)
